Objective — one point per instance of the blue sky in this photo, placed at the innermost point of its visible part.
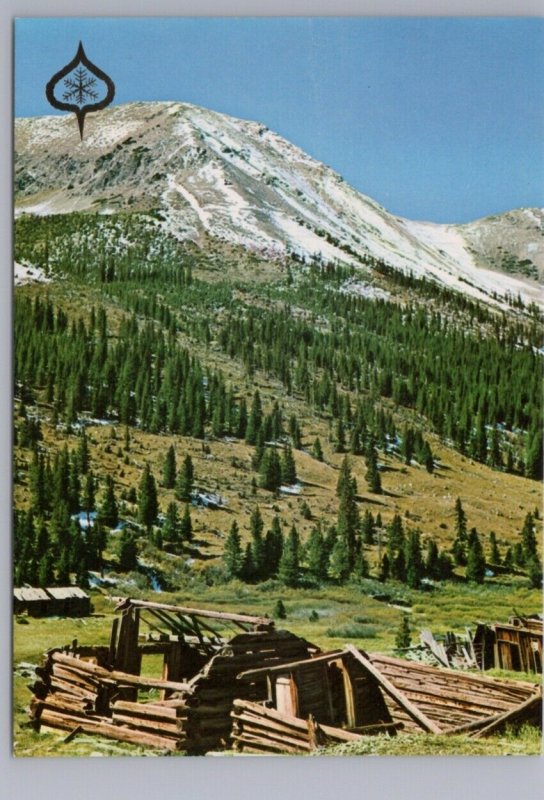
(438, 119)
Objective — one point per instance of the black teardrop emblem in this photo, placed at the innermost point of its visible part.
(84, 88)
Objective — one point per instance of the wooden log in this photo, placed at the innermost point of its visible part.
(62, 687)
(273, 736)
(198, 612)
(291, 666)
(110, 731)
(146, 724)
(248, 740)
(73, 676)
(531, 706)
(150, 710)
(124, 678)
(378, 727)
(426, 723)
(270, 725)
(241, 706)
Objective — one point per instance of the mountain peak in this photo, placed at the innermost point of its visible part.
(206, 173)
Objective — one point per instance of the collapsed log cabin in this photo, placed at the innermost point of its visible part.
(233, 679)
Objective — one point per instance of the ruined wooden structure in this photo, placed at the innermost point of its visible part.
(515, 645)
(55, 601)
(180, 678)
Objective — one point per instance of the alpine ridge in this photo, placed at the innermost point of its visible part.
(202, 173)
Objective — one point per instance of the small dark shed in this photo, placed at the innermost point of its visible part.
(514, 645)
(61, 601)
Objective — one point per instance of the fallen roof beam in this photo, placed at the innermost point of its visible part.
(197, 612)
(418, 716)
(531, 707)
(288, 666)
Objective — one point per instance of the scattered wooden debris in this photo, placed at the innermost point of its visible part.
(515, 645)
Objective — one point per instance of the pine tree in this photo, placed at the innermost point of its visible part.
(89, 493)
(403, 640)
(459, 549)
(316, 554)
(494, 553)
(280, 612)
(339, 567)
(368, 529)
(385, 569)
(232, 554)
(128, 551)
(288, 467)
(185, 480)
(317, 450)
(171, 527)
(270, 470)
(148, 507)
(372, 475)
(248, 567)
(186, 526)
(475, 559)
(414, 560)
(432, 562)
(83, 457)
(288, 572)
(273, 546)
(109, 512)
(528, 539)
(255, 419)
(256, 526)
(169, 469)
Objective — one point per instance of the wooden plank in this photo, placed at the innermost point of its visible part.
(530, 706)
(414, 712)
(108, 730)
(124, 678)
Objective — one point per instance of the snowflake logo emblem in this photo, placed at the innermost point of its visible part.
(83, 86)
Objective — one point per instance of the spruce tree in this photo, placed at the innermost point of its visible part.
(169, 469)
(258, 552)
(185, 480)
(317, 450)
(339, 567)
(270, 470)
(186, 526)
(232, 554)
(148, 507)
(273, 546)
(288, 467)
(127, 552)
(414, 560)
(316, 554)
(494, 553)
(475, 572)
(403, 640)
(109, 512)
(171, 527)
(372, 475)
(288, 572)
(255, 419)
(459, 549)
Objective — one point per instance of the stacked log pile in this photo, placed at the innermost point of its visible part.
(78, 695)
(449, 699)
(256, 729)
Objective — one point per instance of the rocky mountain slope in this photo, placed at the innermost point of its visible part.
(201, 172)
